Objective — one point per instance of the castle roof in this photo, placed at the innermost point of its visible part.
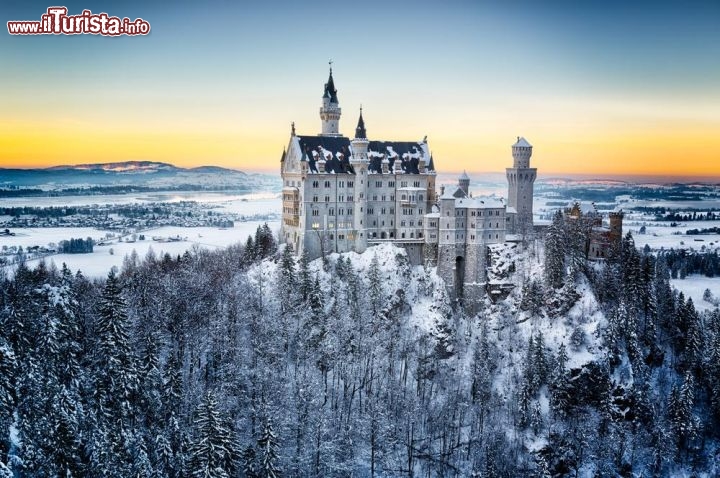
(409, 153)
(360, 130)
(479, 203)
(522, 143)
(464, 176)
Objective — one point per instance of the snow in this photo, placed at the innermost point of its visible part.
(100, 261)
(694, 286)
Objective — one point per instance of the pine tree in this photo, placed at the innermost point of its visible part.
(8, 373)
(555, 252)
(212, 453)
(375, 286)
(286, 280)
(249, 459)
(269, 457)
(680, 410)
(115, 385)
(305, 278)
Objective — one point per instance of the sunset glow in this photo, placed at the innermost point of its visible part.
(610, 89)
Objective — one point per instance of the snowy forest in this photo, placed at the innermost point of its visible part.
(252, 362)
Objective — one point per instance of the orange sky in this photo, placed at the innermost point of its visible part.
(595, 90)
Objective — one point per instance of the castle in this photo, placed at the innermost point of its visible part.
(341, 194)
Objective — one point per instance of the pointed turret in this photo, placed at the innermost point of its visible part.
(330, 109)
(330, 91)
(360, 130)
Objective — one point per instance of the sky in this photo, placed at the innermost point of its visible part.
(600, 88)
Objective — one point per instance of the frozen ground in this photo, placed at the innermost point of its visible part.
(694, 286)
(101, 260)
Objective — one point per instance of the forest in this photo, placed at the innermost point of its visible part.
(252, 362)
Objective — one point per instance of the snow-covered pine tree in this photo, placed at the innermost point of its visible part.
(286, 279)
(375, 286)
(555, 247)
(269, 452)
(115, 381)
(212, 452)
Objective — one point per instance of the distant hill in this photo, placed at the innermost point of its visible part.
(145, 174)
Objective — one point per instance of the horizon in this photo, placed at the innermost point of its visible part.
(611, 90)
(629, 178)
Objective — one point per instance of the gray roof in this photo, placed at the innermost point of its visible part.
(522, 143)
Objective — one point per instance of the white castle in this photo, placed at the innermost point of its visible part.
(342, 194)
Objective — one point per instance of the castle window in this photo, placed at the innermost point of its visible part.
(341, 212)
(472, 225)
(402, 236)
(382, 211)
(350, 184)
(327, 184)
(374, 234)
(316, 225)
(315, 212)
(374, 223)
(496, 236)
(391, 223)
(419, 235)
(402, 198)
(350, 199)
(392, 197)
(341, 184)
(392, 234)
(341, 236)
(403, 184)
(480, 213)
(497, 224)
(420, 222)
(378, 184)
(402, 223)
(420, 197)
(416, 184)
(391, 184)
(315, 184)
(332, 237)
(412, 235)
(327, 198)
(472, 237)
(412, 223)
(420, 211)
(314, 198)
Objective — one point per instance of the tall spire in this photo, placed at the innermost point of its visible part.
(360, 130)
(330, 91)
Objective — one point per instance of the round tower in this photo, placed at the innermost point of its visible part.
(330, 109)
(521, 151)
(521, 178)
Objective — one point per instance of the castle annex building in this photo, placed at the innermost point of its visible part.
(345, 194)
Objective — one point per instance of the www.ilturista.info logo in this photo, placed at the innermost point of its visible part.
(57, 22)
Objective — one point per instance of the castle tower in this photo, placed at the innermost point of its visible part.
(448, 265)
(359, 161)
(520, 187)
(330, 109)
(616, 225)
(464, 183)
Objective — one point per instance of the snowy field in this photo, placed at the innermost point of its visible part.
(248, 204)
(101, 260)
(98, 263)
(694, 286)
